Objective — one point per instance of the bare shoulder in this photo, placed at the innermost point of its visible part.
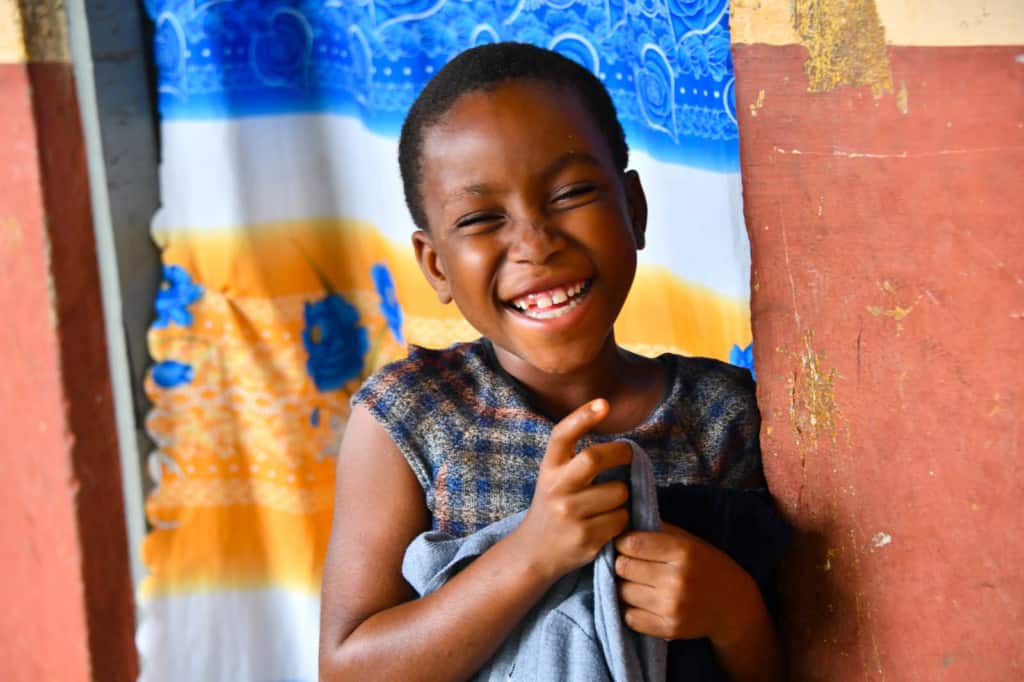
(378, 509)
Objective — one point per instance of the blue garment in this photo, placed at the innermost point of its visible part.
(575, 633)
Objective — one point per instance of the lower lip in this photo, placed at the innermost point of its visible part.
(566, 318)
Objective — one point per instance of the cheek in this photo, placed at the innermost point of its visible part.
(472, 270)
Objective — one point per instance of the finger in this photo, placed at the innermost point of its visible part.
(604, 527)
(641, 596)
(650, 573)
(592, 461)
(598, 499)
(674, 530)
(646, 623)
(562, 443)
(654, 546)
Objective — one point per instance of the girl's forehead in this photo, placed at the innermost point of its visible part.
(520, 114)
(520, 101)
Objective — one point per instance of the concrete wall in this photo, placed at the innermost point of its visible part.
(66, 588)
(882, 146)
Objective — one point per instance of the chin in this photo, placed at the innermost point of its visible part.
(560, 361)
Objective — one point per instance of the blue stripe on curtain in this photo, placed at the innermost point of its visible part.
(667, 63)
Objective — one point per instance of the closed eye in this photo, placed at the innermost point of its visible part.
(478, 220)
(575, 194)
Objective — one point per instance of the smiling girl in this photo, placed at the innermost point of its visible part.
(514, 166)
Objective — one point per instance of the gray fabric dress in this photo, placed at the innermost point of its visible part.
(575, 633)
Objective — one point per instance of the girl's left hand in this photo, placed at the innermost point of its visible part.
(676, 586)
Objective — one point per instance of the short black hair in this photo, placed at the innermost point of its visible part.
(484, 68)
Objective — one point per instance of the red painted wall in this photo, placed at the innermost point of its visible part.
(68, 610)
(38, 527)
(888, 315)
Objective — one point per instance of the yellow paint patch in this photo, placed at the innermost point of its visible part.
(762, 21)
(12, 41)
(897, 313)
(903, 99)
(813, 414)
(34, 31)
(845, 43)
(759, 104)
(907, 22)
(943, 22)
(829, 555)
(893, 310)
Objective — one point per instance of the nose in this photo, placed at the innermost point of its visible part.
(534, 240)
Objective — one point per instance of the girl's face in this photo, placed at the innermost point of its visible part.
(533, 231)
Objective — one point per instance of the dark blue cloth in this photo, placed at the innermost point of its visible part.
(745, 525)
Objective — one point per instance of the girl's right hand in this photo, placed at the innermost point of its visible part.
(570, 519)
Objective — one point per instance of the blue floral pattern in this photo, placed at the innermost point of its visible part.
(743, 357)
(177, 292)
(666, 63)
(335, 342)
(389, 306)
(171, 373)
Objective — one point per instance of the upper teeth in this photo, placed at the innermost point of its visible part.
(546, 299)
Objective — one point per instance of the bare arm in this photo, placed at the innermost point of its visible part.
(373, 627)
(750, 651)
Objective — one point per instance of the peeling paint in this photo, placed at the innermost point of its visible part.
(894, 311)
(862, 611)
(923, 23)
(761, 21)
(880, 540)
(1003, 149)
(812, 406)
(901, 384)
(845, 41)
(997, 408)
(902, 99)
(43, 29)
(759, 104)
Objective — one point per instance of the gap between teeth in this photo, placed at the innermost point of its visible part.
(555, 297)
(549, 313)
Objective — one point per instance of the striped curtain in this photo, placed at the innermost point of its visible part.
(289, 276)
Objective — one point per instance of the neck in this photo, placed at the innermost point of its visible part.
(624, 379)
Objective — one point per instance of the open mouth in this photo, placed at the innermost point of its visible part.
(552, 303)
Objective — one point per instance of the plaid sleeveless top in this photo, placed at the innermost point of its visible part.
(475, 444)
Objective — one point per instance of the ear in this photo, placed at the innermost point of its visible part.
(431, 265)
(636, 202)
